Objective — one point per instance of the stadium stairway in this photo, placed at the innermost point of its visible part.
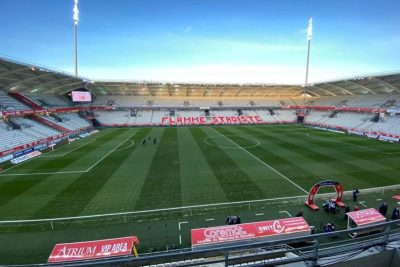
(87, 116)
(25, 100)
(50, 124)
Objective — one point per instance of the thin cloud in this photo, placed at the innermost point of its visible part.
(188, 29)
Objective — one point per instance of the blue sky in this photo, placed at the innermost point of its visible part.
(206, 40)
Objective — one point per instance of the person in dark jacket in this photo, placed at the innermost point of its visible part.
(383, 209)
(395, 213)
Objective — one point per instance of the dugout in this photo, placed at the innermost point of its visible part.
(363, 218)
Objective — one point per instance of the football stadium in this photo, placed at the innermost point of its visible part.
(116, 172)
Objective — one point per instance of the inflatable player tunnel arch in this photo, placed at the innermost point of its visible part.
(338, 188)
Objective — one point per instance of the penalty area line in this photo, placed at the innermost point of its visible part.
(65, 172)
(267, 165)
(66, 153)
(105, 156)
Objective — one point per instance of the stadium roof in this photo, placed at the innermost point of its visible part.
(31, 78)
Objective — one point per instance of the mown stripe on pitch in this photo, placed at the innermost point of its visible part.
(199, 185)
(162, 187)
(342, 155)
(269, 155)
(73, 199)
(285, 164)
(337, 160)
(20, 184)
(236, 184)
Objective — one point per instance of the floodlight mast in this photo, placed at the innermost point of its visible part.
(76, 19)
(309, 35)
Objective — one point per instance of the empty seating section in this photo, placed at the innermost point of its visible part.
(147, 117)
(148, 101)
(10, 138)
(48, 100)
(157, 115)
(390, 125)
(113, 117)
(70, 121)
(30, 131)
(367, 101)
(9, 103)
(34, 129)
(73, 121)
(144, 117)
(353, 120)
(356, 101)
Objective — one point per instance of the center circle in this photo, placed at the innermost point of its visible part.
(252, 141)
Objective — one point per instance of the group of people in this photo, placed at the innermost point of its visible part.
(383, 209)
(329, 227)
(330, 206)
(230, 220)
(149, 140)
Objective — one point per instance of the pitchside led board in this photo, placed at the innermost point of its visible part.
(79, 96)
(265, 231)
(92, 250)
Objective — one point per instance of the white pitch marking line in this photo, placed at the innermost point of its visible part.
(100, 160)
(259, 214)
(362, 203)
(338, 141)
(67, 172)
(180, 240)
(379, 199)
(41, 173)
(188, 207)
(285, 211)
(131, 145)
(271, 168)
(180, 223)
(66, 153)
(40, 156)
(208, 220)
(18, 165)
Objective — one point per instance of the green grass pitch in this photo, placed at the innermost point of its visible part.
(113, 172)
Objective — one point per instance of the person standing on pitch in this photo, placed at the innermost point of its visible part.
(355, 194)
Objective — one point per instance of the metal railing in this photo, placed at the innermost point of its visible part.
(311, 249)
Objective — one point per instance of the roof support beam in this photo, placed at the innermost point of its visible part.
(388, 84)
(322, 89)
(363, 86)
(340, 88)
(11, 71)
(24, 81)
(67, 85)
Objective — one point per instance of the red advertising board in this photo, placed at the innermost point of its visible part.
(93, 249)
(275, 229)
(367, 216)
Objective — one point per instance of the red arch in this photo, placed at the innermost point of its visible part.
(338, 188)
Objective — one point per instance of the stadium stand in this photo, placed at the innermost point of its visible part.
(29, 131)
(9, 103)
(33, 128)
(73, 121)
(47, 100)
